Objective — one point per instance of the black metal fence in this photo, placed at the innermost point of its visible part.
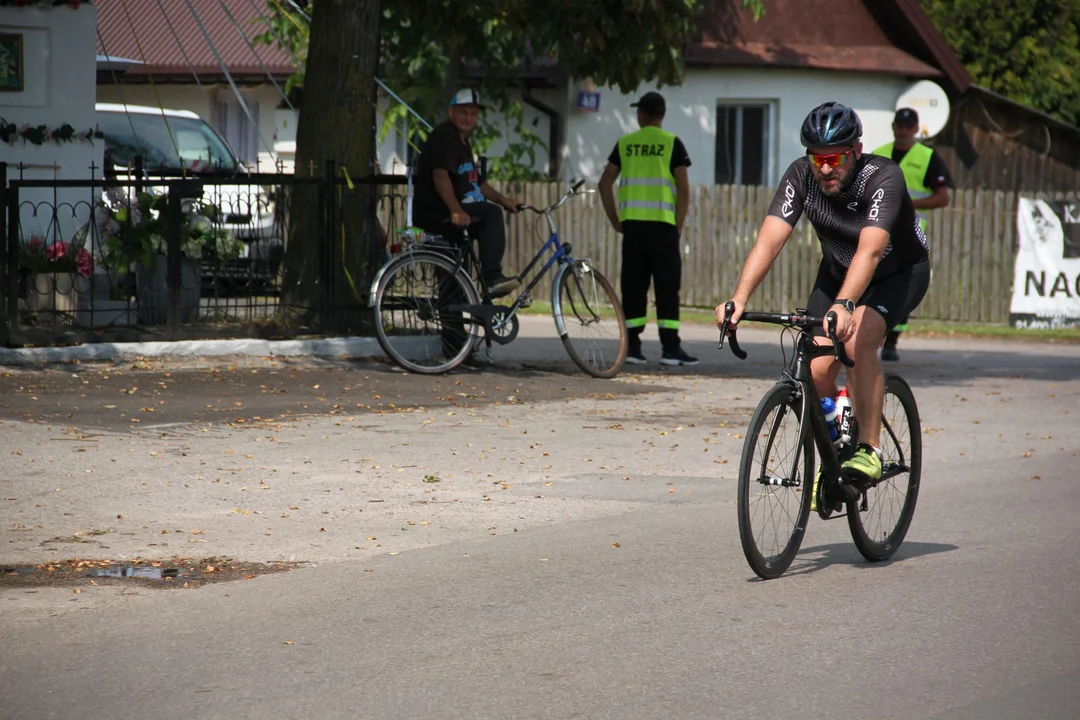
(136, 258)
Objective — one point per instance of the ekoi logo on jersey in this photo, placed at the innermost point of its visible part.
(789, 200)
(875, 204)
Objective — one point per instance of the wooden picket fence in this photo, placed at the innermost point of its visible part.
(972, 245)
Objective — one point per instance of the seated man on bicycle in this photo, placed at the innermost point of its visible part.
(875, 265)
(451, 194)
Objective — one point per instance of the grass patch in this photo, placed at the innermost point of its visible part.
(917, 328)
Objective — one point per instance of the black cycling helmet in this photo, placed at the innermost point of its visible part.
(831, 125)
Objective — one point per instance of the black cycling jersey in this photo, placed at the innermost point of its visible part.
(876, 196)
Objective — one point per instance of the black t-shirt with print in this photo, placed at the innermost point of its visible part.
(444, 150)
(937, 172)
(679, 156)
(876, 197)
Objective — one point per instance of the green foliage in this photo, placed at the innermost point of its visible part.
(431, 47)
(1027, 50)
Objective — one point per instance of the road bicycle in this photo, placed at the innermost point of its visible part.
(433, 308)
(776, 489)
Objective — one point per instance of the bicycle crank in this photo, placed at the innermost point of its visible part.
(503, 327)
(499, 324)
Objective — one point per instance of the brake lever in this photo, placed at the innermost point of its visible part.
(729, 331)
(838, 347)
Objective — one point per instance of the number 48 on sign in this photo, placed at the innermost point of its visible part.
(588, 101)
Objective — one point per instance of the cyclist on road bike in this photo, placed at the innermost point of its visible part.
(875, 265)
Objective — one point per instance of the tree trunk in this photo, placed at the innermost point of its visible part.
(337, 124)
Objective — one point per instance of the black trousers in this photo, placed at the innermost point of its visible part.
(487, 228)
(650, 254)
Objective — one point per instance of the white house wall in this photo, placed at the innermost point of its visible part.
(59, 51)
(691, 114)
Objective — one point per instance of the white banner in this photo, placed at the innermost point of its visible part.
(1046, 279)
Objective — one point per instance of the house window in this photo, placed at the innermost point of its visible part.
(236, 127)
(743, 134)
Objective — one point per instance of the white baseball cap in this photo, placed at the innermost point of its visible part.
(466, 96)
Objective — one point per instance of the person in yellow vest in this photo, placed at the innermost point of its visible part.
(927, 178)
(653, 200)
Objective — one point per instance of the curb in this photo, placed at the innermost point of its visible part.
(348, 347)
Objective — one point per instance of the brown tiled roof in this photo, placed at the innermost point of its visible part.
(894, 38)
(860, 58)
(152, 35)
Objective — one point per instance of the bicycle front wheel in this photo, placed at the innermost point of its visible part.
(879, 519)
(775, 482)
(589, 319)
(420, 322)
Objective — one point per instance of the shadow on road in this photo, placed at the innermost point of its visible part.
(813, 559)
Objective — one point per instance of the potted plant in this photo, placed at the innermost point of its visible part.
(56, 273)
(132, 229)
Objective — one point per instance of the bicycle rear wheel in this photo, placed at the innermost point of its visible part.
(879, 519)
(419, 322)
(775, 482)
(585, 305)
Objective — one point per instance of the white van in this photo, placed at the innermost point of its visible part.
(186, 141)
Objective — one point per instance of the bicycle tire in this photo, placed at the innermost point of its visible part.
(782, 395)
(416, 273)
(870, 546)
(586, 312)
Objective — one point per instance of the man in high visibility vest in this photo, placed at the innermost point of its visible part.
(653, 200)
(927, 178)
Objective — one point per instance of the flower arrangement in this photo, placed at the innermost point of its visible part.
(39, 256)
(132, 226)
(11, 133)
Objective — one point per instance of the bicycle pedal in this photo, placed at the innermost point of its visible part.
(524, 301)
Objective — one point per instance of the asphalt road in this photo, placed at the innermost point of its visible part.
(590, 566)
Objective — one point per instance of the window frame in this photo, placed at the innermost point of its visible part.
(768, 138)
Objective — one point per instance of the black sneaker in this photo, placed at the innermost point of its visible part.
(500, 285)
(478, 359)
(634, 356)
(888, 354)
(677, 356)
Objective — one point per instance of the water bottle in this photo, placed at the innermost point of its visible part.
(828, 406)
(844, 413)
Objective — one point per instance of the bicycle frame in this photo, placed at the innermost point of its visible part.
(560, 255)
(798, 374)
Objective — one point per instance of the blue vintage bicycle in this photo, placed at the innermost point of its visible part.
(433, 308)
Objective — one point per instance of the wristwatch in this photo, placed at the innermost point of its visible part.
(848, 305)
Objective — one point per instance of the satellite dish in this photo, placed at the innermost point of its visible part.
(929, 100)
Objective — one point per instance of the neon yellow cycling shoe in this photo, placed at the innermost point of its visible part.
(864, 465)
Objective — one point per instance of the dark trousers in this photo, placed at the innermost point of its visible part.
(487, 228)
(650, 253)
(489, 231)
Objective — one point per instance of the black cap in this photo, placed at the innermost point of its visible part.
(651, 103)
(906, 116)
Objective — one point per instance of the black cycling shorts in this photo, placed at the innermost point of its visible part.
(893, 297)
